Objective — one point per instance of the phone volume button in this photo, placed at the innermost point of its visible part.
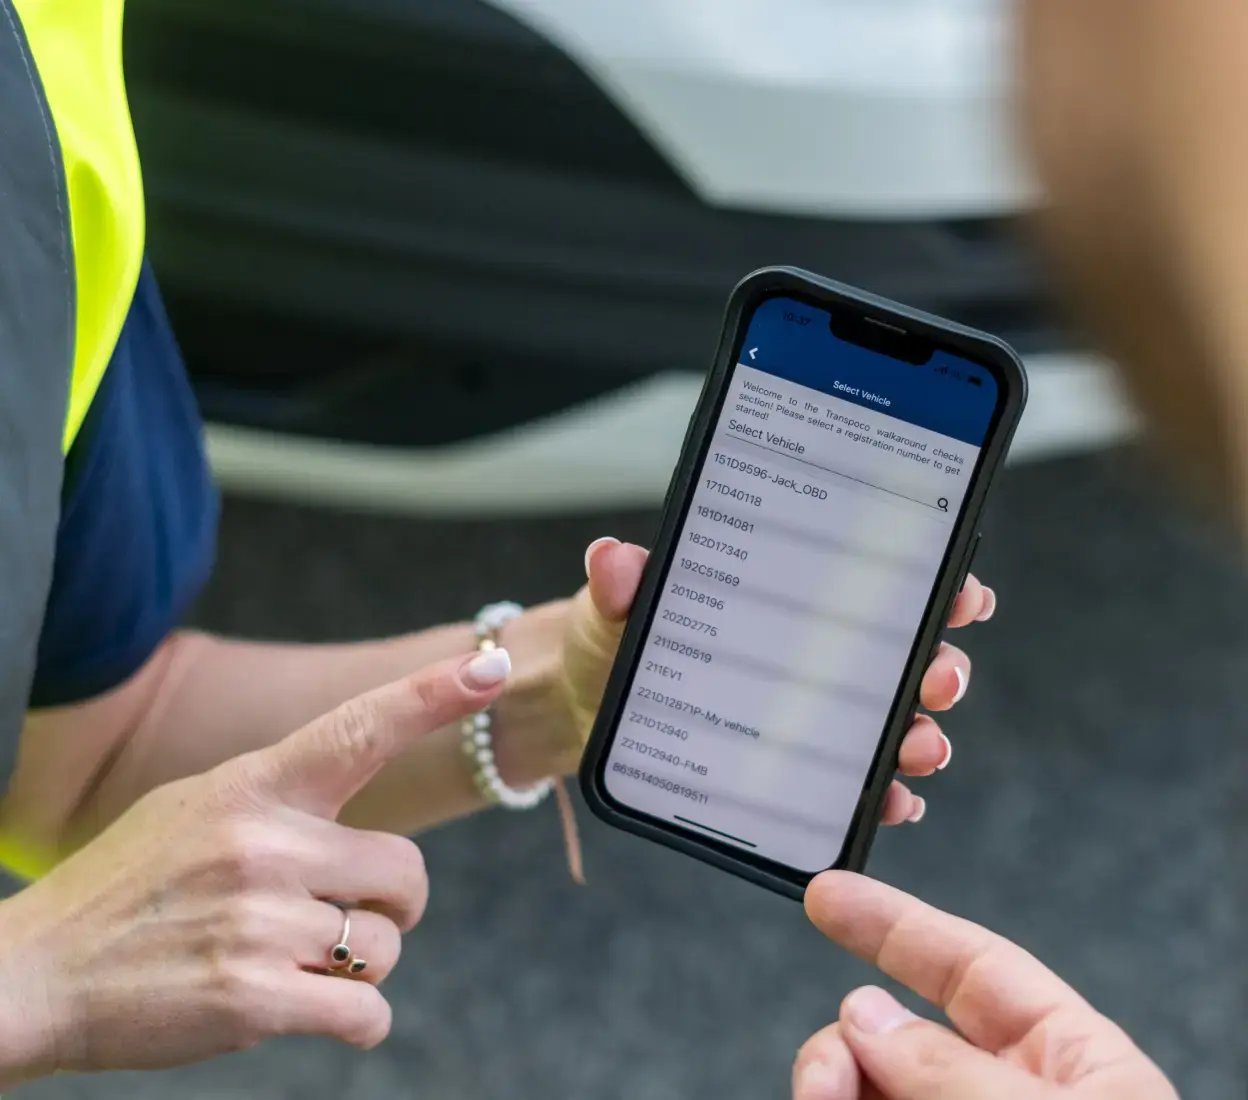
(966, 570)
(970, 560)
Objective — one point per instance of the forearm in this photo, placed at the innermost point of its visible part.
(206, 699)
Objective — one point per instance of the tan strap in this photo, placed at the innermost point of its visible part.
(571, 834)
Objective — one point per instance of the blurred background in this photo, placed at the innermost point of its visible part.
(407, 244)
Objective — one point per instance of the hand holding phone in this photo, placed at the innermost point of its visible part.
(817, 530)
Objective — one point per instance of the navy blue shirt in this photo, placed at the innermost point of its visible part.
(138, 516)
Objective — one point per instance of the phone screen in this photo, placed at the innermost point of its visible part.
(823, 510)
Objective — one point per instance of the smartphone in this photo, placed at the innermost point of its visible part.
(818, 527)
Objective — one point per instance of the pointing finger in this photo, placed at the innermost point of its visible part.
(992, 990)
(318, 768)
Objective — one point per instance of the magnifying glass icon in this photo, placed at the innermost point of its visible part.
(943, 504)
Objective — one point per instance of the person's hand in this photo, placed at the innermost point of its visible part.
(1022, 1033)
(202, 920)
(592, 636)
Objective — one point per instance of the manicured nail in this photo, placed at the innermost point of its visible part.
(944, 760)
(874, 1012)
(593, 546)
(488, 669)
(990, 606)
(962, 683)
(919, 812)
(818, 1081)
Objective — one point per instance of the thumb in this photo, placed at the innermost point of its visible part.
(614, 570)
(598, 612)
(319, 768)
(908, 1058)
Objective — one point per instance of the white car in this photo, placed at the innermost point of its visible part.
(459, 256)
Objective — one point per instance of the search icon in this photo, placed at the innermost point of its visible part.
(943, 504)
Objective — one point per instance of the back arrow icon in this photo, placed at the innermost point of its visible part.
(753, 353)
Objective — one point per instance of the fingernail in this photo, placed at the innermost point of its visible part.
(488, 669)
(593, 546)
(962, 683)
(875, 1012)
(818, 1081)
(990, 606)
(944, 760)
(919, 812)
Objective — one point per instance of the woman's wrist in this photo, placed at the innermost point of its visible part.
(28, 1045)
(535, 731)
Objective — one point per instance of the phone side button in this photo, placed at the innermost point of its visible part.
(970, 561)
(966, 569)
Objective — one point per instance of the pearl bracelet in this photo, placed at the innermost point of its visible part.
(478, 740)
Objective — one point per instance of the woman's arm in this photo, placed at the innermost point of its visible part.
(202, 700)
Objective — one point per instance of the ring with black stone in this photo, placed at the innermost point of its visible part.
(340, 957)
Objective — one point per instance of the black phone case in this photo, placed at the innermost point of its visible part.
(978, 346)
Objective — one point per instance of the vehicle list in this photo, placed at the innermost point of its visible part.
(787, 615)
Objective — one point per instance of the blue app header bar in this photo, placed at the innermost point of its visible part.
(948, 394)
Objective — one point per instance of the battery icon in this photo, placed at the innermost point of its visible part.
(974, 381)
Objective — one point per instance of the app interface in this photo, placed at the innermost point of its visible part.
(822, 513)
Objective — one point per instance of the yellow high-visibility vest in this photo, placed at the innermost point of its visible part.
(71, 249)
(76, 45)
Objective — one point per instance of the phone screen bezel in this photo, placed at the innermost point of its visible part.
(823, 294)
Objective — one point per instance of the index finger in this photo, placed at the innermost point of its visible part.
(320, 767)
(992, 990)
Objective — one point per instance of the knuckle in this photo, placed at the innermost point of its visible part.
(1068, 1042)
(243, 1017)
(412, 882)
(246, 854)
(426, 693)
(1070, 1055)
(401, 866)
(813, 1049)
(353, 723)
(368, 1025)
(827, 1048)
(246, 924)
(232, 783)
(933, 1061)
(254, 1021)
(392, 947)
(385, 947)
